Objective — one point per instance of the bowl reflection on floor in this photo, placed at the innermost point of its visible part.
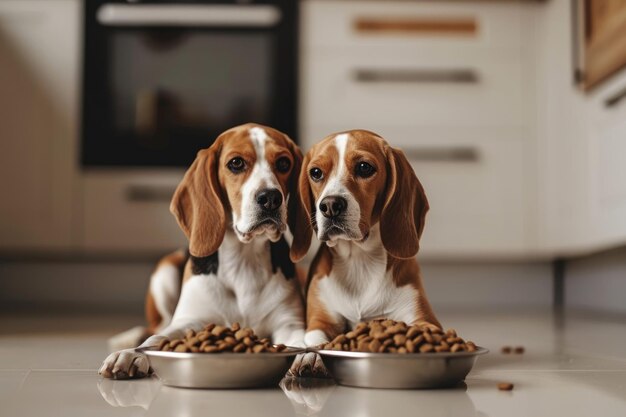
(313, 397)
(308, 395)
(301, 396)
(184, 402)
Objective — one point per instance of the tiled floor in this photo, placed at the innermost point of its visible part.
(574, 368)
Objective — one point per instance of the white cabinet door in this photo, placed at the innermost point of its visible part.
(128, 211)
(39, 80)
(607, 164)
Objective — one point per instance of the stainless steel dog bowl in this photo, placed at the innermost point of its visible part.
(392, 370)
(221, 370)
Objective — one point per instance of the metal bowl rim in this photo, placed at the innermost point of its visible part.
(369, 355)
(289, 351)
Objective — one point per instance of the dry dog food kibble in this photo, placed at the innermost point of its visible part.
(397, 337)
(518, 350)
(505, 386)
(215, 339)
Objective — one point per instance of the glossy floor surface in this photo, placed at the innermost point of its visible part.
(574, 366)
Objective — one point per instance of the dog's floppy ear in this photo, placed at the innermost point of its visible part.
(293, 207)
(404, 211)
(197, 204)
(300, 214)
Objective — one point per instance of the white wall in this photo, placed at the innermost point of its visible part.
(452, 286)
(593, 283)
(78, 286)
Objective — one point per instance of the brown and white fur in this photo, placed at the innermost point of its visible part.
(367, 208)
(236, 271)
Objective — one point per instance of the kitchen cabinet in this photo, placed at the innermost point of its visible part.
(607, 162)
(446, 82)
(516, 160)
(39, 80)
(579, 150)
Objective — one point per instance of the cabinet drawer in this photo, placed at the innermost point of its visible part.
(130, 212)
(349, 24)
(477, 207)
(424, 88)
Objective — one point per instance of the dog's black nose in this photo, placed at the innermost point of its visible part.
(269, 199)
(333, 206)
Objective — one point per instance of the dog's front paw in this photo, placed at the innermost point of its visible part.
(125, 364)
(308, 365)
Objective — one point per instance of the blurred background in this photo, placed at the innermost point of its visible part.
(513, 114)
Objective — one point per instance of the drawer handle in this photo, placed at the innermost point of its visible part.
(149, 193)
(188, 15)
(616, 98)
(462, 76)
(417, 26)
(443, 154)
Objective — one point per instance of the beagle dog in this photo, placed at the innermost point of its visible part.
(367, 207)
(232, 204)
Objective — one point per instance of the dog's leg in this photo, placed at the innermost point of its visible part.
(164, 291)
(129, 338)
(320, 330)
(130, 363)
(425, 316)
(161, 300)
(191, 313)
(287, 321)
(289, 335)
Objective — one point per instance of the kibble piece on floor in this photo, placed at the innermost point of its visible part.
(505, 386)
(519, 350)
(506, 350)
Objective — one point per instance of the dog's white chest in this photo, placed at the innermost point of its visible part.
(212, 300)
(365, 292)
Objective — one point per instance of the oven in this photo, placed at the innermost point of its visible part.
(163, 78)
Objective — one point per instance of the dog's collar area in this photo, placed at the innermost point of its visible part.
(204, 265)
(279, 252)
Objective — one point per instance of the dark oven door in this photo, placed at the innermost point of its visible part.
(163, 79)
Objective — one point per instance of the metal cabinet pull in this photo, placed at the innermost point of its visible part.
(188, 15)
(463, 76)
(442, 154)
(149, 193)
(615, 98)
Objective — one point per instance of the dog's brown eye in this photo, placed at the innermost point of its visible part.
(236, 165)
(283, 164)
(316, 174)
(364, 170)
